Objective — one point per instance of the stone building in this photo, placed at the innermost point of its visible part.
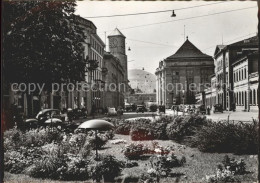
(93, 51)
(117, 48)
(182, 75)
(245, 77)
(225, 56)
(113, 75)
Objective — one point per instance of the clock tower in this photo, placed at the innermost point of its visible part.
(116, 42)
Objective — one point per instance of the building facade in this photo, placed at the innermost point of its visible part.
(141, 98)
(93, 52)
(181, 76)
(113, 75)
(245, 77)
(225, 56)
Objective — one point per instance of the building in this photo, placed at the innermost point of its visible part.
(182, 75)
(93, 52)
(141, 98)
(117, 48)
(224, 57)
(142, 81)
(245, 77)
(113, 74)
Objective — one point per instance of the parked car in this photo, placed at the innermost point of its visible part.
(218, 108)
(46, 117)
(161, 108)
(140, 108)
(112, 111)
(201, 109)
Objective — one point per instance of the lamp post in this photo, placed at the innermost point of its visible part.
(183, 101)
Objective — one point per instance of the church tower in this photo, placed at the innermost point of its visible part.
(117, 48)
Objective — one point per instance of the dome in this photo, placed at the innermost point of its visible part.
(143, 80)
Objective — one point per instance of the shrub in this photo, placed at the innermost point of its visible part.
(153, 108)
(47, 167)
(161, 165)
(39, 137)
(239, 138)
(227, 171)
(135, 151)
(140, 132)
(108, 168)
(13, 139)
(124, 128)
(76, 169)
(235, 166)
(183, 127)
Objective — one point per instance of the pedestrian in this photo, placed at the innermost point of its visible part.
(208, 110)
(177, 109)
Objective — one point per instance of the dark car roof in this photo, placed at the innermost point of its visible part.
(47, 110)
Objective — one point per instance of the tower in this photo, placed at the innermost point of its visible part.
(117, 48)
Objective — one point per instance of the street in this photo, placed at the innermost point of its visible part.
(236, 116)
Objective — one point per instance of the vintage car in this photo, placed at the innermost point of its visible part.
(140, 108)
(161, 108)
(201, 109)
(112, 111)
(46, 117)
(218, 108)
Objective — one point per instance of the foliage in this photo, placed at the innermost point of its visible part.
(108, 168)
(153, 108)
(124, 128)
(141, 132)
(16, 161)
(235, 166)
(227, 171)
(221, 176)
(162, 165)
(29, 59)
(47, 167)
(135, 151)
(183, 127)
(240, 138)
(13, 139)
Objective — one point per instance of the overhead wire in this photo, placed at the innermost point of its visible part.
(152, 12)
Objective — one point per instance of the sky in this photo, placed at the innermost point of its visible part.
(151, 44)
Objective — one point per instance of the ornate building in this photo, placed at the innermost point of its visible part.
(182, 75)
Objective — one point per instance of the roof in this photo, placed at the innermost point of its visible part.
(252, 41)
(244, 56)
(116, 32)
(189, 50)
(219, 48)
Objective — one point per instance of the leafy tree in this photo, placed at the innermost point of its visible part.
(42, 42)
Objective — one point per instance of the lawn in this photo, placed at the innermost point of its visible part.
(197, 165)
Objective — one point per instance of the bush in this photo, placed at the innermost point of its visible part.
(235, 166)
(108, 168)
(47, 167)
(227, 171)
(140, 132)
(183, 127)
(153, 108)
(13, 139)
(239, 138)
(124, 128)
(135, 151)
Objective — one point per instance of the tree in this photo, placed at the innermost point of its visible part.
(42, 43)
